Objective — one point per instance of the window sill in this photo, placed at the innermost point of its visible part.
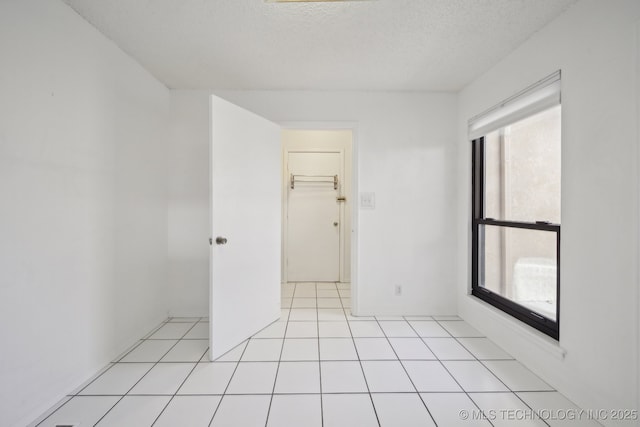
(541, 340)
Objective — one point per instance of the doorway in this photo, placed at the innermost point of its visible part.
(317, 196)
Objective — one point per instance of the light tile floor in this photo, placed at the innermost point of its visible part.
(317, 366)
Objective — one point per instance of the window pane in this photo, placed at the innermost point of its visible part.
(522, 170)
(520, 265)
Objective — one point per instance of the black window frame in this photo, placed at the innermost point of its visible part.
(531, 318)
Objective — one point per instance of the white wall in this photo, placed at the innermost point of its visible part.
(594, 43)
(406, 151)
(188, 227)
(82, 204)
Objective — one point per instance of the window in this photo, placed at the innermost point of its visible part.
(516, 205)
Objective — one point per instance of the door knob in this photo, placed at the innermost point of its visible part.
(335, 224)
(221, 240)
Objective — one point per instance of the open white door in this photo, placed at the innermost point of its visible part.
(246, 211)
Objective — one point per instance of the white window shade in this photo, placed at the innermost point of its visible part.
(534, 99)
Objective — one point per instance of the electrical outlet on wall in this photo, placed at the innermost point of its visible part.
(397, 290)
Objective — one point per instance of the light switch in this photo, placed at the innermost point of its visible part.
(368, 200)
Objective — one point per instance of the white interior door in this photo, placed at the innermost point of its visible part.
(313, 235)
(246, 211)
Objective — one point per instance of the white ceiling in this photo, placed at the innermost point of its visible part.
(358, 45)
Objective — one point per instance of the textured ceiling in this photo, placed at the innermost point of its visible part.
(358, 45)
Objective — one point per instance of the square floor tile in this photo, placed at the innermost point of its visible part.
(232, 411)
(505, 409)
(262, 350)
(192, 411)
(331, 314)
(149, 351)
(298, 377)
(516, 376)
(305, 291)
(366, 329)
(342, 377)
(274, 330)
(172, 331)
(208, 378)
(81, 410)
(397, 329)
(346, 302)
(302, 330)
(386, 377)
(303, 314)
(334, 329)
(348, 410)
(253, 378)
(446, 409)
(304, 303)
(287, 290)
(286, 294)
(430, 376)
(374, 349)
(118, 380)
(549, 403)
(328, 293)
(428, 328)
(135, 411)
(406, 410)
(154, 330)
(484, 349)
(326, 285)
(234, 354)
(329, 303)
(164, 378)
(460, 328)
(187, 351)
(300, 349)
(473, 376)
(411, 349)
(200, 331)
(344, 293)
(343, 285)
(295, 411)
(448, 349)
(337, 349)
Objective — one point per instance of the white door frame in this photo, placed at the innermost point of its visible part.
(353, 127)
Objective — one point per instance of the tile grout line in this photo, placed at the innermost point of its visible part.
(145, 374)
(366, 382)
(492, 373)
(275, 379)
(224, 392)
(477, 358)
(407, 372)
(182, 383)
(319, 359)
(104, 370)
(449, 372)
